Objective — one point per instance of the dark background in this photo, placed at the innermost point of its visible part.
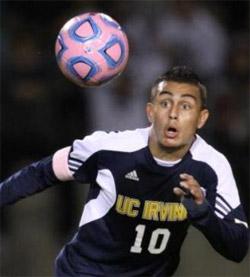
(41, 111)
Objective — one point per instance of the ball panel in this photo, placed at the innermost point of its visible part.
(112, 62)
(85, 30)
(80, 22)
(114, 52)
(60, 47)
(82, 68)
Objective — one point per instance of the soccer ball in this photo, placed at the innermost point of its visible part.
(91, 49)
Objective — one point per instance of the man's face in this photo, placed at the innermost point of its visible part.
(175, 114)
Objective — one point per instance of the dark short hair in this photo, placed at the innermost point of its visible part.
(182, 74)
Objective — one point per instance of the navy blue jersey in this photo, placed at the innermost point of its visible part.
(132, 223)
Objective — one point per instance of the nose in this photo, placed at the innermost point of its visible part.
(173, 114)
(173, 117)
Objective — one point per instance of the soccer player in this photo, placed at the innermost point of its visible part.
(146, 187)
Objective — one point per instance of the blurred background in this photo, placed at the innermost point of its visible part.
(41, 111)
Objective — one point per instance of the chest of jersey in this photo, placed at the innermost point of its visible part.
(144, 190)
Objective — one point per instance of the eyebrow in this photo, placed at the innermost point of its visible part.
(183, 95)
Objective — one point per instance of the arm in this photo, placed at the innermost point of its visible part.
(227, 232)
(35, 177)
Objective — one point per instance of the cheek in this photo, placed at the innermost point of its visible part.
(160, 119)
(159, 124)
(190, 122)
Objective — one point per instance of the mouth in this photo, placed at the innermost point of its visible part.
(171, 132)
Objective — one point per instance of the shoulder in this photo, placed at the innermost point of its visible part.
(128, 140)
(204, 152)
(226, 188)
(123, 141)
(226, 185)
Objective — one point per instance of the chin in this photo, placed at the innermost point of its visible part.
(171, 144)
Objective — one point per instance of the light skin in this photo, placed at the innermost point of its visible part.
(176, 113)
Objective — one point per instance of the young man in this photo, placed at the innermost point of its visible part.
(146, 187)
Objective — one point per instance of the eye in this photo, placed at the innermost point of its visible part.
(165, 103)
(186, 106)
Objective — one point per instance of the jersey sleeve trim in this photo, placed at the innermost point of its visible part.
(74, 164)
(60, 165)
(238, 221)
(222, 207)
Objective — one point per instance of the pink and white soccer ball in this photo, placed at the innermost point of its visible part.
(91, 49)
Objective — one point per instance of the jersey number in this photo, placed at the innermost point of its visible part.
(153, 247)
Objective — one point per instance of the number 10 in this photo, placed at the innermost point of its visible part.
(140, 229)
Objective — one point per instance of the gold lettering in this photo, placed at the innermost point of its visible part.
(145, 214)
(171, 214)
(133, 203)
(177, 212)
(151, 210)
(181, 212)
(127, 206)
(164, 211)
(160, 211)
(121, 204)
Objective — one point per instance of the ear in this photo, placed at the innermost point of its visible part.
(150, 112)
(204, 114)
